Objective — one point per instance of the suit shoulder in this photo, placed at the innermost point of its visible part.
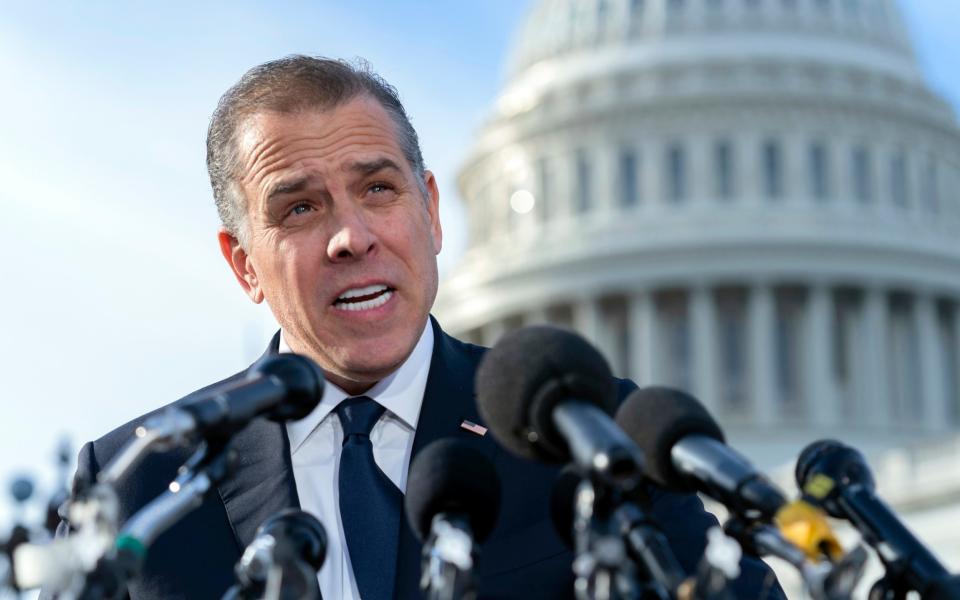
(467, 347)
(624, 387)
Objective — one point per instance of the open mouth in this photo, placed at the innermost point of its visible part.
(364, 298)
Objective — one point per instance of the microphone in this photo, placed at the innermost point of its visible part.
(686, 452)
(290, 545)
(547, 395)
(452, 503)
(838, 478)
(282, 387)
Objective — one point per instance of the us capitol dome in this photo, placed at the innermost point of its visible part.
(753, 200)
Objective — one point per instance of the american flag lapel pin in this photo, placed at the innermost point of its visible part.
(473, 428)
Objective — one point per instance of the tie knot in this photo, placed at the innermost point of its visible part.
(358, 415)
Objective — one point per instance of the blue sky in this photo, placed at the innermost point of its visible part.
(117, 299)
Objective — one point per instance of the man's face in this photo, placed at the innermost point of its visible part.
(342, 243)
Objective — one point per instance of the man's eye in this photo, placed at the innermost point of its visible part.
(300, 208)
(379, 187)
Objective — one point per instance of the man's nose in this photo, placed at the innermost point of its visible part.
(352, 237)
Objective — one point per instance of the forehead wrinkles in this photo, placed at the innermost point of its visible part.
(267, 151)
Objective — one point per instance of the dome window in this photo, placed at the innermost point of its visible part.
(931, 193)
(629, 188)
(676, 173)
(819, 173)
(898, 179)
(584, 182)
(772, 172)
(723, 170)
(862, 174)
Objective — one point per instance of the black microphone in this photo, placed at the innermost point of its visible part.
(452, 502)
(686, 452)
(547, 395)
(292, 544)
(838, 478)
(282, 387)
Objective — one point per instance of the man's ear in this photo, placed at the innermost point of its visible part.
(241, 264)
(433, 208)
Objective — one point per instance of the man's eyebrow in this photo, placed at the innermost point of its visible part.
(372, 166)
(288, 187)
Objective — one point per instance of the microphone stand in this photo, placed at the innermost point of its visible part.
(163, 431)
(600, 567)
(620, 552)
(824, 580)
(448, 559)
(289, 580)
(893, 587)
(207, 466)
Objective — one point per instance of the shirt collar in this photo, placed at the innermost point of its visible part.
(401, 392)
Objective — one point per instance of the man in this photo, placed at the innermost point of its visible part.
(330, 217)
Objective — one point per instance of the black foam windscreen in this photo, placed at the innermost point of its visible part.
(810, 456)
(562, 499)
(529, 372)
(303, 379)
(656, 418)
(302, 532)
(450, 476)
(836, 461)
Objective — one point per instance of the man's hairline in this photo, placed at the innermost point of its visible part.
(235, 190)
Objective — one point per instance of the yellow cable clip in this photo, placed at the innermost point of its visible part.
(806, 527)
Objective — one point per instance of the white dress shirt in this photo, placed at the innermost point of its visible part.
(315, 444)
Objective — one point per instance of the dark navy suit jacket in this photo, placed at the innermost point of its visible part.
(522, 558)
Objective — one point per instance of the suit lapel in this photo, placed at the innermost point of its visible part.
(261, 482)
(447, 400)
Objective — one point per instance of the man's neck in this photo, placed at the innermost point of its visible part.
(354, 386)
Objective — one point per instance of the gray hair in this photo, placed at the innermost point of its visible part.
(290, 85)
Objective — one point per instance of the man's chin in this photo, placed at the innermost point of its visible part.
(366, 372)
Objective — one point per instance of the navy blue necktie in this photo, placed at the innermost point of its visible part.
(369, 502)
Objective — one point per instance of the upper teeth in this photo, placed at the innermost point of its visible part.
(364, 291)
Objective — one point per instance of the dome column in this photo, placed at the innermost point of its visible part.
(875, 407)
(762, 348)
(821, 399)
(932, 378)
(588, 321)
(642, 323)
(706, 383)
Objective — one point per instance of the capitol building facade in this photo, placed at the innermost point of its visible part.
(753, 200)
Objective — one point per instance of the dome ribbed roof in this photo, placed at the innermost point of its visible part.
(560, 28)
